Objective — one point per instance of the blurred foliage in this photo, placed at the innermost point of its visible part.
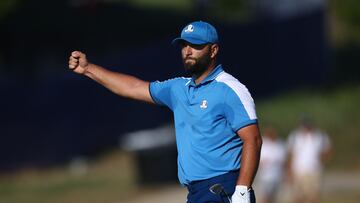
(230, 10)
(333, 110)
(348, 10)
(344, 15)
(345, 63)
(6, 6)
(345, 20)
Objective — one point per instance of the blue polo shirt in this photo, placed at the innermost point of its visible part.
(207, 117)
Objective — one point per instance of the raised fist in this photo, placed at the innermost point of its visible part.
(78, 62)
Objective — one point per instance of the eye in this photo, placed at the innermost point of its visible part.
(182, 44)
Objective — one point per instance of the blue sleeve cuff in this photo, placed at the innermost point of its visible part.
(246, 123)
(152, 96)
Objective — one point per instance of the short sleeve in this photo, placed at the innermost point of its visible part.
(239, 107)
(161, 92)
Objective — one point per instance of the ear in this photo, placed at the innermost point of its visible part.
(214, 49)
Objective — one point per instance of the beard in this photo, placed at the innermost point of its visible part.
(197, 66)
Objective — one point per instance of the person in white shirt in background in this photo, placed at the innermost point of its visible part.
(271, 167)
(308, 148)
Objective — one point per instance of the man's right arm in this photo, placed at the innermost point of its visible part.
(121, 84)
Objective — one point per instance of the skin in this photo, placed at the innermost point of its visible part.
(195, 57)
(198, 59)
(121, 84)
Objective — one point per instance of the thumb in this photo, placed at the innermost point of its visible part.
(77, 54)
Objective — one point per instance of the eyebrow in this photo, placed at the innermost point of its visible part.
(195, 46)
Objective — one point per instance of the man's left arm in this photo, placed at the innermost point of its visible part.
(250, 158)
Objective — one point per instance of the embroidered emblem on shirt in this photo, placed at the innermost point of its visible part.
(189, 28)
(203, 104)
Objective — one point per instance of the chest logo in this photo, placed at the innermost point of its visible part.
(203, 104)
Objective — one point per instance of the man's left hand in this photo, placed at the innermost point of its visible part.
(241, 194)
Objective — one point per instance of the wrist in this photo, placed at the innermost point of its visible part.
(243, 188)
(87, 69)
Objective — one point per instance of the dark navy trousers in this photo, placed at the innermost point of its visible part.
(199, 190)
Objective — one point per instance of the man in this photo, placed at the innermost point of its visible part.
(308, 148)
(217, 135)
(271, 167)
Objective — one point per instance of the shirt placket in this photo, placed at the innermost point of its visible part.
(192, 94)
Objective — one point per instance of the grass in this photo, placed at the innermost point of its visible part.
(108, 179)
(350, 198)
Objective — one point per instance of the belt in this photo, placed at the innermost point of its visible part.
(199, 184)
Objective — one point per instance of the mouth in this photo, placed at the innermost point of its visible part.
(189, 59)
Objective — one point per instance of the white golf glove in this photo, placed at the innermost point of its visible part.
(241, 194)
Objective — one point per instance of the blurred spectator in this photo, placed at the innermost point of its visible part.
(272, 159)
(308, 148)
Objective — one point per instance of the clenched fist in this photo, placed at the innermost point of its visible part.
(78, 62)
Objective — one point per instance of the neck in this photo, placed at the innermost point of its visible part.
(203, 75)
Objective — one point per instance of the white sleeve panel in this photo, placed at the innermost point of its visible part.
(241, 91)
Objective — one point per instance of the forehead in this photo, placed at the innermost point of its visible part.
(184, 43)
